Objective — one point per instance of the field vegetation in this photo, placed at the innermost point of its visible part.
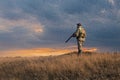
(97, 66)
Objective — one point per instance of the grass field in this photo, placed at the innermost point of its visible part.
(97, 66)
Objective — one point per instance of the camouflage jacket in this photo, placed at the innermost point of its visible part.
(80, 33)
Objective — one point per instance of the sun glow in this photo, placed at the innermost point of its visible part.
(42, 52)
(90, 49)
(35, 52)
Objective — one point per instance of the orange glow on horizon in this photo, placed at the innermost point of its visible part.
(35, 52)
(90, 49)
(41, 52)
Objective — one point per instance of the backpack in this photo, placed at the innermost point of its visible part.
(82, 33)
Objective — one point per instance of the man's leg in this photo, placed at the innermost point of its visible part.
(79, 43)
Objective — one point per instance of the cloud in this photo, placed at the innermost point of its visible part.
(18, 33)
(41, 23)
(111, 2)
(31, 24)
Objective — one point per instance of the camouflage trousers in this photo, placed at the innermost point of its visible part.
(80, 45)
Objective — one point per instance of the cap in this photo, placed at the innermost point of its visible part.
(78, 24)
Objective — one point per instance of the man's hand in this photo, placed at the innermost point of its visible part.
(74, 35)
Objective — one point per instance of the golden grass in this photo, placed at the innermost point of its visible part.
(65, 67)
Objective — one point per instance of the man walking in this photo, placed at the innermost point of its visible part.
(80, 35)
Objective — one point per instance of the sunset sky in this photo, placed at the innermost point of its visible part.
(38, 24)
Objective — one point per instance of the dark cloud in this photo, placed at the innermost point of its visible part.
(100, 18)
(15, 39)
(84, 6)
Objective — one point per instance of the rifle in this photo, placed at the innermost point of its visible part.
(69, 38)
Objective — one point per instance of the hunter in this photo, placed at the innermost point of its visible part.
(80, 35)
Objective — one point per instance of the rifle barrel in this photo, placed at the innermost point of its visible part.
(68, 39)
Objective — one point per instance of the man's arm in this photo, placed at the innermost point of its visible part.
(76, 33)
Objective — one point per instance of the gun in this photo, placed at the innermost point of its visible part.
(69, 38)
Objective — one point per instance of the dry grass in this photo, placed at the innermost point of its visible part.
(65, 67)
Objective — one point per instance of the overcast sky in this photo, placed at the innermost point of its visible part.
(48, 23)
